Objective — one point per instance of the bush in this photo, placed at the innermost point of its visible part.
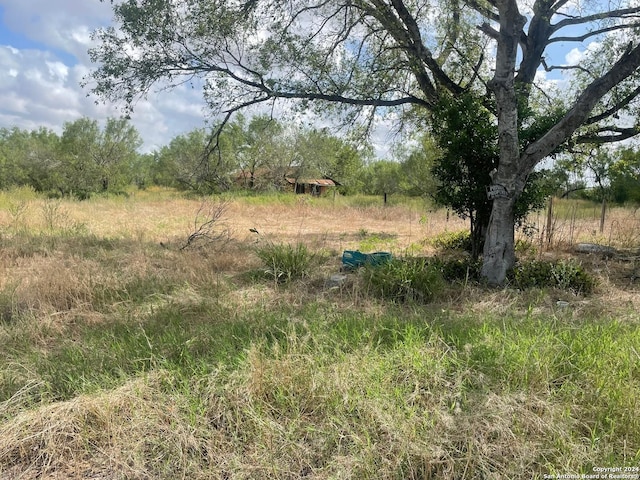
(284, 263)
(453, 241)
(405, 280)
(461, 269)
(564, 274)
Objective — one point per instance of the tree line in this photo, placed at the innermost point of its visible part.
(257, 153)
(253, 154)
(88, 159)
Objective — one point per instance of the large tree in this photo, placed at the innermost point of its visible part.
(625, 176)
(180, 164)
(367, 55)
(263, 156)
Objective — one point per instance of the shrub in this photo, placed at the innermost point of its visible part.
(285, 262)
(406, 280)
(458, 269)
(565, 274)
(453, 241)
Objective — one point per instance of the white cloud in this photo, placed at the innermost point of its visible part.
(577, 55)
(574, 56)
(41, 72)
(64, 25)
(58, 70)
(42, 68)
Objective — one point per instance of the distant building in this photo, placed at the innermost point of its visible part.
(311, 186)
(265, 179)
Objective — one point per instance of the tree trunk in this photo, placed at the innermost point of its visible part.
(508, 181)
(499, 247)
(478, 235)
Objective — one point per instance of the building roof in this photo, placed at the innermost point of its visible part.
(322, 182)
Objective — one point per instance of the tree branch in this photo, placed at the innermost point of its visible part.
(484, 11)
(593, 33)
(548, 68)
(616, 108)
(618, 134)
(628, 63)
(622, 14)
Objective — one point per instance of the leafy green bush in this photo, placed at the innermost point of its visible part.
(565, 274)
(284, 262)
(457, 269)
(453, 241)
(411, 279)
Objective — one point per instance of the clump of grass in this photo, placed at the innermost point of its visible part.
(375, 241)
(564, 274)
(404, 280)
(458, 269)
(114, 432)
(285, 262)
(18, 211)
(13, 195)
(59, 224)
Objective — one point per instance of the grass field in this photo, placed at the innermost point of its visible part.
(138, 341)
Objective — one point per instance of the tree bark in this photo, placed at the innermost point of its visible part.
(499, 247)
(499, 250)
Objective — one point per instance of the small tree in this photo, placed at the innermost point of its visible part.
(263, 156)
(29, 158)
(417, 168)
(324, 155)
(180, 164)
(625, 176)
(382, 177)
(117, 151)
(96, 160)
(466, 134)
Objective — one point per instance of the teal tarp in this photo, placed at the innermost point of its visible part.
(352, 259)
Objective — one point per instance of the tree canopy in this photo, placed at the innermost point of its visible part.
(361, 57)
(85, 159)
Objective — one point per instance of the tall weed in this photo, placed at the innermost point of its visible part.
(407, 280)
(285, 262)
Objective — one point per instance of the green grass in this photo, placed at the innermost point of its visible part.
(254, 198)
(391, 395)
(284, 262)
(578, 209)
(125, 359)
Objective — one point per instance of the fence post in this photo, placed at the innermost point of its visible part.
(550, 221)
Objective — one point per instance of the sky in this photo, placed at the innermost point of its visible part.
(43, 59)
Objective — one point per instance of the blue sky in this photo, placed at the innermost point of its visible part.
(43, 58)
(11, 34)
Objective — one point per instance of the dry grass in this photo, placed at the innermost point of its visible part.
(366, 415)
(579, 222)
(123, 356)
